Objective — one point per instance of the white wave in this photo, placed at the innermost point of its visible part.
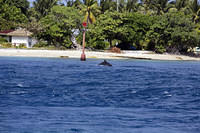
(20, 85)
(166, 92)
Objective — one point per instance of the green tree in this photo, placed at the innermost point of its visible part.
(125, 28)
(71, 3)
(107, 5)
(58, 26)
(194, 7)
(22, 4)
(135, 26)
(33, 23)
(127, 5)
(147, 5)
(181, 4)
(43, 7)
(10, 16)
(162, 6)
(106, 27)
(157, 6)
(172, 32)
(132, 5)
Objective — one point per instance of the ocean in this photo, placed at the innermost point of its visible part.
(52, 95)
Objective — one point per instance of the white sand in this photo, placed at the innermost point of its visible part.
(93, 54)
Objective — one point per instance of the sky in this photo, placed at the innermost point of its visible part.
(31, 1)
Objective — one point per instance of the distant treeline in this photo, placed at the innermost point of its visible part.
(158, 25)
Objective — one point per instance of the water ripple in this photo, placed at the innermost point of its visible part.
(56, 95)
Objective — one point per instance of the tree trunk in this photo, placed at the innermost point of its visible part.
(110, 41)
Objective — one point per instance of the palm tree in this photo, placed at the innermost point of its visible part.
(159, 6)
(146, 6)
(107, 5)
(181, 4)
(127, 5)
(156, 6)
(75, 3)
(132, 5)
(43, 7)
(119, 5)
(194, 7)
(89, 9)
(163, 6)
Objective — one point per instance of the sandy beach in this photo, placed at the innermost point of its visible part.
(148, 55)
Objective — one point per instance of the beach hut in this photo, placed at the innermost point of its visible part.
(19, 36)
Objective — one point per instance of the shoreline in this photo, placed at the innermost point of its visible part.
(145, 55)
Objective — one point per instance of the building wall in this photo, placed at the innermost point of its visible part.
(20, 40)
(17, 40)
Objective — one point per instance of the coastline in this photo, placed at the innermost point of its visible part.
(147, 55)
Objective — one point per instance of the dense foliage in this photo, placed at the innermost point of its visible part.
(159, 25)
(10, 16)
(172, 33)
(126, 29)
(58, 25)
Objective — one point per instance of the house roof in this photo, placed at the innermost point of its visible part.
(5, 32)
(18, 32)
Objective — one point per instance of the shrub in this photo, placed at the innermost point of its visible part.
(40, 44)
(3, 40)
(6, 45)
(21, 46)
(172, 33)
(160, 49)
(100, 45)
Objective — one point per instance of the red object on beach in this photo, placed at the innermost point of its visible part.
(83, 57)
(84, 24)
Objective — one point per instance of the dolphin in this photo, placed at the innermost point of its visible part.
(105, 63)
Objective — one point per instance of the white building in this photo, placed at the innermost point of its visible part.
(19, 36)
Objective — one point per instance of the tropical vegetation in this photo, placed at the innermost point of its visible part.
(171, 26)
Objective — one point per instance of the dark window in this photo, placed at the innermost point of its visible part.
(10, 38)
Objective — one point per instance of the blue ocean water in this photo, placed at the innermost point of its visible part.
(41, 95)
